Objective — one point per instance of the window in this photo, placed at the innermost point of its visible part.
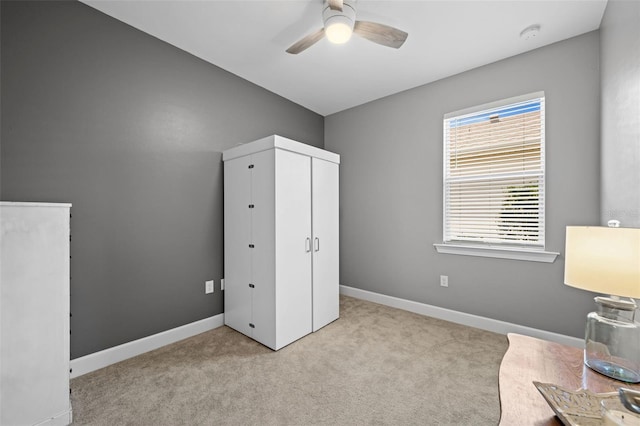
(494, 176)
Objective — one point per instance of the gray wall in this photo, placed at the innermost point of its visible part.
(620, 72)
(130, 130)
(391, 189)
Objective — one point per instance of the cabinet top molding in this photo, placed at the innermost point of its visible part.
(30, 204)
(275, 141)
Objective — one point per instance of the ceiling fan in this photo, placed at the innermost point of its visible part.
(339, 17)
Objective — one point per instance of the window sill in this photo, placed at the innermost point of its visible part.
(530, 255)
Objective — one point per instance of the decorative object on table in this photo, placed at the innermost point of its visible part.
(630, 399)
(607, 260)
(614, 413)
(579, 408)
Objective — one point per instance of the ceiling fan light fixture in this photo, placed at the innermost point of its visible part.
(339, 18)
(338, 29)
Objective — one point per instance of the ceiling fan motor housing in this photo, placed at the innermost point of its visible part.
(345, 16)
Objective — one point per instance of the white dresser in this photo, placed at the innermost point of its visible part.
(281, 239)
(34, 316)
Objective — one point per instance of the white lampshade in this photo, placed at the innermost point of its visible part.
(603, 260)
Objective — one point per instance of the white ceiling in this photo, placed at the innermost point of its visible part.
(446, 37)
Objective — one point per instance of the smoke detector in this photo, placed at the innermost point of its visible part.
(530, 32)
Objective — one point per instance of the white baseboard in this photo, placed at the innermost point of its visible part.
(98, 360)
(61, 419)
(476, 321)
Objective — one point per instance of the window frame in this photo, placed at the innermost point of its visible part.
(528, 252)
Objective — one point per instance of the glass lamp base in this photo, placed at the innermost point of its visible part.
(612, 343)
(615, 371)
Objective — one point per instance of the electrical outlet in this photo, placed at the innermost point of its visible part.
(444, 280)
(208, 287)
(221, 284)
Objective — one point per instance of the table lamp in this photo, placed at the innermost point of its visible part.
(607, 260)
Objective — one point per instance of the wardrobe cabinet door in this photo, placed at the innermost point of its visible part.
(237, 237)
(293, 246)
(326, 273)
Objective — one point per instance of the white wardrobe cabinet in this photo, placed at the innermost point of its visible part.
(281, 239)
(34, 326)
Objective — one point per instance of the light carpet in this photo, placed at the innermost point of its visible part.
(375, 365)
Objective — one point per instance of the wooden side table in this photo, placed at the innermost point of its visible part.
(529, 359)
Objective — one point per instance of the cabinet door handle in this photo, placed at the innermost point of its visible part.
(307, 245)
(316, 242)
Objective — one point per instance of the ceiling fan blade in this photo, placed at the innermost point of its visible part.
(381, 34)
(306, 42)
(335, 5)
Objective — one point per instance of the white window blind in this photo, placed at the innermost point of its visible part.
(494, 174)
